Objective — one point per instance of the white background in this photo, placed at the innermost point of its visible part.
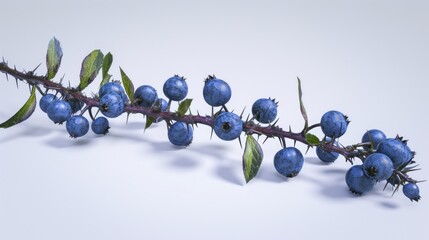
(368, 59)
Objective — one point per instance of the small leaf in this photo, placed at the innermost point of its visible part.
(107, 62)
(53, 57)
(301, 105)
(312, 139)
(252, 158)
(91, 65)
(23, 113)
(149, 121)
(128, 85)
(184, 106)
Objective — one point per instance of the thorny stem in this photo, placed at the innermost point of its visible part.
(249, 127)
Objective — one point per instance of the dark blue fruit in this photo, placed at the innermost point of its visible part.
(357, 181)
(228, 126)
(395, 150)
(46, 100)
(59, 111)
(378, 166)
(411, 191)
(288, 161)
(264, 110)
(180, 134)
(216, 91)
(373, 136)
(113, 87)
(112, 105)
(175, 88)
(326, 156)
(145, 96)
(77, 126)
(334, 124)
(100, 125)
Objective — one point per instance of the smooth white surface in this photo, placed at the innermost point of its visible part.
(367, 59)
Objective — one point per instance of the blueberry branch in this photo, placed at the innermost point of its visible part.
(227, 126)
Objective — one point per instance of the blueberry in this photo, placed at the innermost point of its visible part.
(59, 111)
(77, 126)
(357, 181)
(288, 161)
(175, 88)
(228, 126)
(395, 150)
(145, 96)
(100, 125)
(378, 166)
(373, 136)
(216, 91)
(411, 191)
(114, 87)
(163, 104)
(326, 156)
(46, 100)
(112, 105)
(334, 124)
(264, 110)
(180, 134)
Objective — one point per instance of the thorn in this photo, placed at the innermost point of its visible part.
(308, 148)
(239, 140)
(276, 121)
(294, 143)
(265, 140)
(211, 134)
(16, 79)
(128, 115)
(7, 77)
(290, 129)
(36, 67)
(242, 112)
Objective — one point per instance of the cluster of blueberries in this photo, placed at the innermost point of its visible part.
(384, 154)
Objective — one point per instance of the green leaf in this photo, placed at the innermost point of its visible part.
(107, 62)
(301, 105)
(312, 139)
(91, 65)
(184, 106)
(23, 113)
(149, 121)
(53, 57)
(252, 158)
(128, 85)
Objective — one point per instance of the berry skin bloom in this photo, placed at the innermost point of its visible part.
(357, 181)
(264, 110)
(59, 111)
(46, 100)
(334, 124)
(228, 126)
(77, 126)
(175, 88)
(378, 166)
(113, 87)
(180, 134)
(100, 125)
(145, 96)
(288, 161)
(112, 105)
(395, 149)
(326, 156)
(411, 191)
(374, 136)
(216, 91)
